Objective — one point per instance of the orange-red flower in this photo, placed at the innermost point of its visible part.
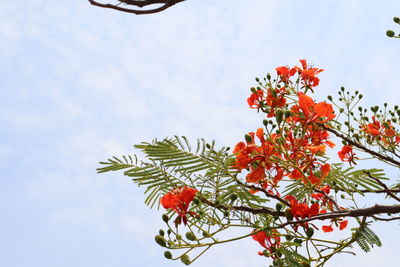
(308, 74)
(179, 200)
(373, 128)
(347, 154)
(307, 111)
(255, 99)
(343, 224)
(269, 242)
(327, 228)
(285, 73)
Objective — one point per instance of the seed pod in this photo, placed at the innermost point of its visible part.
(310, 232)
(168, 255)
(185, 259)
(160, 240)
(190, 236)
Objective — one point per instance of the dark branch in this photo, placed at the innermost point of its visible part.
(242, 208)
(365, 149)
(387, 190)
(140, 4)
(366, 212)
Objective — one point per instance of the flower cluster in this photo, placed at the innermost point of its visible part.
(293, 150)
(382, 131)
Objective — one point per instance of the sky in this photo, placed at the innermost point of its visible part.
(81, 84)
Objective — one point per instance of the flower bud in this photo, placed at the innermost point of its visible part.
(288, 114)
(278, 116)
(168, 255)
(397, 20)
(248, 138)
(185, 259)
(278, 206)
(310, 232)
(329, 97)
(190, 236)
(160, 240)
(165, 218)
(288, 214)
(233, 197)
(161, 232)
(390, 33)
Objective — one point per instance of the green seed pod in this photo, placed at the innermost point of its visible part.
(233, 197)
(161, 232)
(168, 255)
(288, 214)
(190, 236)
(310, 232)
(165, 218)
(279, 116)
(160, 240)
(278, 206)
(248, 138)
(185, 259)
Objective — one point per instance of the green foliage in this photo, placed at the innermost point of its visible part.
(366, 239)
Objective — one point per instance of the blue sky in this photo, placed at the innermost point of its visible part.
(80, 84)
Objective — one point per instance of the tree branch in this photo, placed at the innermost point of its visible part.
(365, 149)
(167, 4)
(387, 190)
(366, 212)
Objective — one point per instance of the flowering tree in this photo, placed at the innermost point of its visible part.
(286, 186)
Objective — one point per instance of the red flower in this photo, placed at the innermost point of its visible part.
(327, 228)
(373, 128)
(255, 99)
(343, 224)
(179, 200)
(285, 73)
(269, 242)
(307, 111)
(347, 154)
(308, 74)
